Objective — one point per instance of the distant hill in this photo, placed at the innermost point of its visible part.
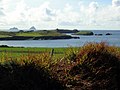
(14, 29)
(32, 28)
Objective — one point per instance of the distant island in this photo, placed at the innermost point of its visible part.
(84, 33)
(33, 34)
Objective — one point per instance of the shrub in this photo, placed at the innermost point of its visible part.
(97, 67)
(27, 76)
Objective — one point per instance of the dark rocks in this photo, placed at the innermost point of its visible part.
(98, 34)
(38, 38)
(108, 34)
(102, 34)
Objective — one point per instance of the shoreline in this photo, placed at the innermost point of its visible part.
(38, 38)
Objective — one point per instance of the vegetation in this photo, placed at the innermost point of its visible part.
(98, 66)
(92, 67)
(18, 52)
(34, 35)
(84, 33)
(26, 76)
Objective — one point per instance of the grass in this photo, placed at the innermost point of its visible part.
(17, 51)
(4, 36)
(61, 50)
(28, 34)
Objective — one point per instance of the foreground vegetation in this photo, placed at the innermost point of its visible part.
(95, 66)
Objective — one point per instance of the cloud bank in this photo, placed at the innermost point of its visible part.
(18, 13)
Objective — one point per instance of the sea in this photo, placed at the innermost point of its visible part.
(113, 40)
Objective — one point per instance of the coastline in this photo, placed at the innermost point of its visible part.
(38, 37)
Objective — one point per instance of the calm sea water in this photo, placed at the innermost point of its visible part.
(113, 39)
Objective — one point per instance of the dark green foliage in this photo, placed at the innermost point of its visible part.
(14, 76)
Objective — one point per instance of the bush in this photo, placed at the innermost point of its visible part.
(27, 76)
(97, 67)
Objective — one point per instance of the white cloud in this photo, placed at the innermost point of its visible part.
(105, 16)
(20, 14)
(115, 3)
(1, 12)
(44, 12)
(68, 7)
(68, 17)
(49, 12)
(23, 15)
(93, 6)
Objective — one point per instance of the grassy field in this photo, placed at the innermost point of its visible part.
(18, 51)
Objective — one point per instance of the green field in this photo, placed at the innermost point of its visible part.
(18, 51)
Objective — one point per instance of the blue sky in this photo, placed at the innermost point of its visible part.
(68, 14)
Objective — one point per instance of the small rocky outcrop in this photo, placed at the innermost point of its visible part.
(108, 34)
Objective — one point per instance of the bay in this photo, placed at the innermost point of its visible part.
(113, 39)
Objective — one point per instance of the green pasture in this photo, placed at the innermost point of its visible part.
(19, 51)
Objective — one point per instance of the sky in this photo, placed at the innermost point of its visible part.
(62, 14)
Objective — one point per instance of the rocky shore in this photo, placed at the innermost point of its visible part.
(38, 37)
